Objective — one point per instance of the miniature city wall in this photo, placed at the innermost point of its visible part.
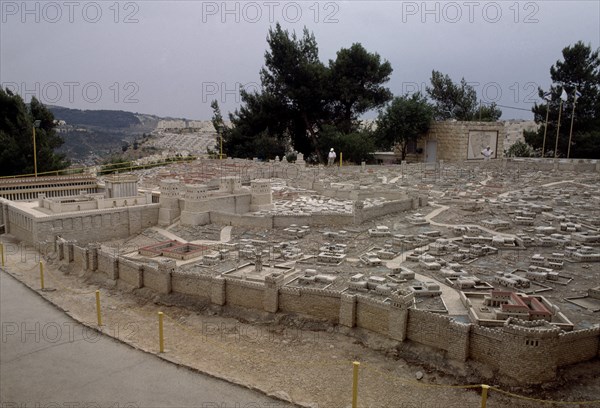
(270, 221)
(523, 352)
(84, 226)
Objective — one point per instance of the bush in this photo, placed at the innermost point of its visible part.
(355, 147)
(519, 149)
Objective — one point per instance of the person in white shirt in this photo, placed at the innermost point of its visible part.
(487, 153)
(331, 157)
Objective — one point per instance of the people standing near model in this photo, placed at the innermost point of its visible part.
(331, 157)
(487, 153)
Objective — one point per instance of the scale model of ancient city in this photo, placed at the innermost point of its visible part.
(490, 261)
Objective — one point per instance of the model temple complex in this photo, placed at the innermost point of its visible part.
(495, 263)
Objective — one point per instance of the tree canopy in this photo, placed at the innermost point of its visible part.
(578, 71)
(458, 101)
(300, 96)
(16, 137)
(403, 121)
(355, 85)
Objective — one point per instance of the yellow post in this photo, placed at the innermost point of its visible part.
(356, 364)
(98, 312)
(341, 158)
(161, 339)
(2, 253)
(484, 392)
(42, 275)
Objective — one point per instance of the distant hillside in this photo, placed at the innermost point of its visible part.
(108, 119)
(90, 135)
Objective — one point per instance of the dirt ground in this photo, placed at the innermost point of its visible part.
(288, 357)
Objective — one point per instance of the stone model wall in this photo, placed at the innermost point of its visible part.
(440, 332)
(83, 226)
(191, 284)
(577, 346)
(320, 304)
(240, 220)
(372, 315)
(550, 164)
(453, 137)
(390, 207)
(245, 294)
(281, 221)
(522, 351)
(132, 273)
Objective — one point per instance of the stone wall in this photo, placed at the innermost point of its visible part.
(372, 315)
(333, 219)
(521, 352)
(80, 257)
(513, 131)
(311, 302)
(84, 226)
(390, 207)
(429, 328)
(131, 273)
(193, 284)
(486, 345)
(241, 220)
(159, 277)
(232, 204)
(550, 164)
(453, 137)
(578, 346)
(108, 265)
(245, 294)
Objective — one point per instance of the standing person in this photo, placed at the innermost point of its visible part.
(331, 157)
(487, 153)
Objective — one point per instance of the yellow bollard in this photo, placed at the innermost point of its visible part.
(161, 339)
(2, 253)
(341, 158)
(42, 275)
(356, 364)
(98, 312)
(484, 391)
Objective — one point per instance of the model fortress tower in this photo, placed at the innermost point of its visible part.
(169, 201)
(196, 205)
(262, 198)
(121, 185)
(196, 202)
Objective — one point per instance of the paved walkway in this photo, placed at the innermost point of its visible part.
(48, 359)
(225, 236)
(169, 234)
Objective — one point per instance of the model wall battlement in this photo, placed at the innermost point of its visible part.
(487, 331)
(566, 337)
(321, 292)
(288, 290)
(244, 283)
(525, 352)
(372, 301)
(190, 274)
(199, 206)
(532, 332)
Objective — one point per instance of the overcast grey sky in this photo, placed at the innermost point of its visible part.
(171, 58)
